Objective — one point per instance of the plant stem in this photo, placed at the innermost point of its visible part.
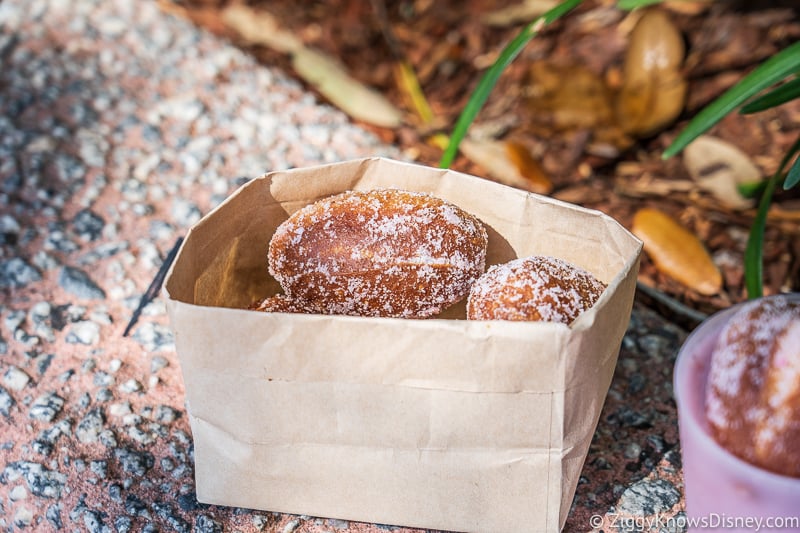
(489, 79)
(754, 252)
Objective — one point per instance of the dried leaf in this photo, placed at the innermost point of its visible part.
(496, 158)
(351, 96)
(320, 70)
(720, 167)
(655, 44)
(689, 7)
(439, 140)
(648, 105)
(654, 86)
(408, 82)
(676, 251)
(525, 11)
(260, 27)
(529, 167)
(567, 96)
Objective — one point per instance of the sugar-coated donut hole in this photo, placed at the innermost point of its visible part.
(536, 288)
(753, 391)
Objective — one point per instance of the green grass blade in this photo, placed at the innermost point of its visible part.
(489, 79)
(780, 95)
(751, 189)
(754, 252)
(633, 4)
(793, 178)
(768, 73)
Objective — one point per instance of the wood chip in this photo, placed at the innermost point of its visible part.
(676, 251)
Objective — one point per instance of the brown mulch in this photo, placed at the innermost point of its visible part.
(449, 44)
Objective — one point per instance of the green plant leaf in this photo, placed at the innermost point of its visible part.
(633, 4)
(754, 252)
(793, 178)
(489, 79)
(780, 95)
(768, 73)
(751, 189)
(755, 189)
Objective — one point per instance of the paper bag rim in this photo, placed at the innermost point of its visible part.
(517, 327)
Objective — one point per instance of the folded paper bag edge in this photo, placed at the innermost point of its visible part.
(454, 355)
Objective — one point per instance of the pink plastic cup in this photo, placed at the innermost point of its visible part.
(723, 492)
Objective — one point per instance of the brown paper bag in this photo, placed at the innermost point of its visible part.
(441, 423)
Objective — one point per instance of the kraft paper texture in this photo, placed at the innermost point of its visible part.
(441, 423)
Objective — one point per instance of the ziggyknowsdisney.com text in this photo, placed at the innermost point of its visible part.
(711, 521)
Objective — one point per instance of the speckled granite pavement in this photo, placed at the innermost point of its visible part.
(119, 127)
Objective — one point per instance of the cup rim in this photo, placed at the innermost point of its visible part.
(693, 419)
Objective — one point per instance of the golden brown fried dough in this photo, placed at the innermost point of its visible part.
(387, 252)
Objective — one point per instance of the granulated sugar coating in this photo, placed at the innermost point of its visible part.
(384, 252)
(753, 393)
(280, 303)
(537, 288)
